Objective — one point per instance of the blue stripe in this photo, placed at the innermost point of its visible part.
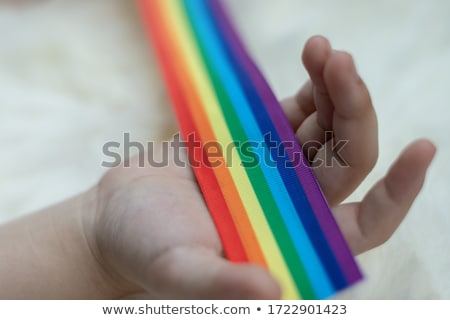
(287, 173)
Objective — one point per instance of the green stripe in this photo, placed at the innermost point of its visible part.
(257, 179)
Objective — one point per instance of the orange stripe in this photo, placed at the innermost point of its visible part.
(161, 25)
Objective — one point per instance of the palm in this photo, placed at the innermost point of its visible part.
(156, 232)
(160, 213)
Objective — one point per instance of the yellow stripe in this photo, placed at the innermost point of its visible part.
(193, 61)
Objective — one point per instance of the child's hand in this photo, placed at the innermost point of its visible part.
(152, 231)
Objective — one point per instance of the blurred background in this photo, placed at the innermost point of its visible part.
(77, 74)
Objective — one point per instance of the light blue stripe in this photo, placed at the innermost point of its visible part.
(203, 26)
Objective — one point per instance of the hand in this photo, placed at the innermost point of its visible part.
(337, 99)
(152, 231)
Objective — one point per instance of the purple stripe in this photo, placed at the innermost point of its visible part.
(312, 190)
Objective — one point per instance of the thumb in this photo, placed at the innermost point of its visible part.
(199, 273)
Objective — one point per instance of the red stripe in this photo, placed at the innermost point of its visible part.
(206, 178)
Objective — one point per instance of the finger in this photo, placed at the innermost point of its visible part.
(354, 128)
(300, 106)
(197, 273)
(311, 136)
(315, 56)
(372, 222)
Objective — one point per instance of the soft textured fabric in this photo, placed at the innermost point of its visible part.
(74, 75)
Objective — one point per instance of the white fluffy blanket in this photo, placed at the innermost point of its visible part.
(75, 74)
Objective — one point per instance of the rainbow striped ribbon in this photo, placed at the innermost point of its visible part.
(263, 198)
